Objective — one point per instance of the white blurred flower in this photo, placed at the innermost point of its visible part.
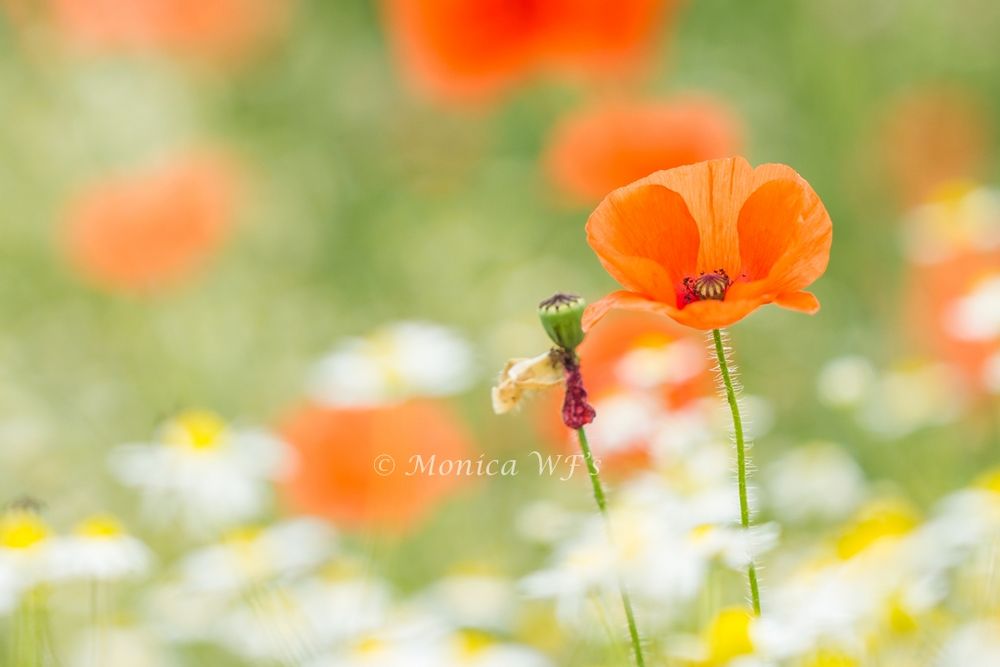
(845, 381)
(627, 419)
(977, 643)
(544, 522)
(733, 545)
(100, 550)
(26, 553)
(261, 595)
(912, 397)
(407, 639)
(458, 649)
(117, 646)
(874, 579)
(670, 526)
(962, 216)
(343, 608)
(815, 481)
(251, 555)
(976, 316)
(202, 472)
(669, 363)
(395, 362)
(582, 567)
(268, 624)
(472, 601)
(468, 649)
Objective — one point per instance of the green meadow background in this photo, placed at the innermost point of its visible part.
(368, 204)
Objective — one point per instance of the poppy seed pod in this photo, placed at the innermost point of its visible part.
(562, 315)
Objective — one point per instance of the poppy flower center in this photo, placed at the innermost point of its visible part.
(707, 286)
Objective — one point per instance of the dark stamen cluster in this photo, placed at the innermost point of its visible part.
(707, 286)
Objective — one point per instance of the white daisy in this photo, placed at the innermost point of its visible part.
(845, 381)
(977, 643)
(473, 600)
(976, 316)
(250, 555)
(395, 362)
(26, 553)
(101, 550)
(202, 472)
(815, 481)
(117, 646)
(912, 397)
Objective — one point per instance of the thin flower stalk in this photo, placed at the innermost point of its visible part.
(602, 506)
(728, 384)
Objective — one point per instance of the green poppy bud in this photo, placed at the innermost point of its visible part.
(561, 315)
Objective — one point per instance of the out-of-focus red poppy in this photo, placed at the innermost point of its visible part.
(707, 244)
(153, 228)
(353, 462)
(216, 29)
(953, 307)
(652, 364)
(598, 149)
(933, 136)
(469, 50)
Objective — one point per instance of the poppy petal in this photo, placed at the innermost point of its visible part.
(646, 238)
(766, 225)
(622, 300)
(699, 315)
(808, 250)
(804, 302)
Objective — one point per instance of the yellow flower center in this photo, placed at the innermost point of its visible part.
(21, 530)
(197, 429)
(952, 193)
(369, 646)
(877, 521)
(824, 658)
(728, 636)
(989, 481)
(384, 351)
(652, 340)
(473, 642)
(102, 526)
(899, 619)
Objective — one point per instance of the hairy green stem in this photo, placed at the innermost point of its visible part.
(741, 458)
(602, 505)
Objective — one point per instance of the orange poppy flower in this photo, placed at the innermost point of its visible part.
(153, 228)
(933, 136)
(598, 149)
(709, 243)
(219, 29)
(353, 462)
(628, 354)
(472, 49)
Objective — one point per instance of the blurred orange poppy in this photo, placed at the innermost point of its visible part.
(220, 29)
(933, 136)
(629, 352)
(353, 462)
(709, 243)
(472, 49)
(953, 308)
(152, 228)
(601, 148)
